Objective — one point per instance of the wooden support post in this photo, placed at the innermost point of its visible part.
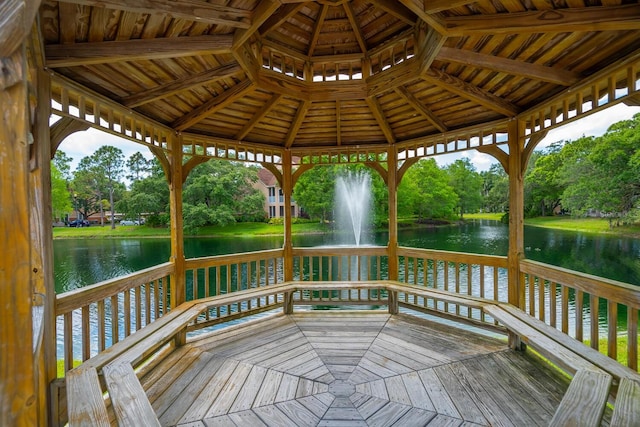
(19, 395)
(178, 278)
(41, 219)
(516, 221)
(393, 302)
(392, 186)
(287, 189)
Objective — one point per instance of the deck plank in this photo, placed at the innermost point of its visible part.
(298, 413)
(349, 370)
(249, 390)
(464, 403)
(267, 393)
(214, 383)
(627, 409)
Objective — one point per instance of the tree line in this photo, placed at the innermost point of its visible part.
(591, 175)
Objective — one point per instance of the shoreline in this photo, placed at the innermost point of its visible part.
(249, 230)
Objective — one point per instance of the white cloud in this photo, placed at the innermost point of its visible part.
(85, 143)
(593, 125)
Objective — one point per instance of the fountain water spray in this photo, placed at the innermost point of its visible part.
(353, 205)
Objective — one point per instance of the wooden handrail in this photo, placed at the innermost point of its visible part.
(79, 298)
(612, 290)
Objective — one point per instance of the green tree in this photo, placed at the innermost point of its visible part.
(138, 167)
(219, 193)
(543, 187)
(102, 171)
(467, 184)
(60, 198)
(314, 192)
(495, 189)
(62, 162)
(425, 191)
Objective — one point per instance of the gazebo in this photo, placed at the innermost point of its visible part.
(377, 82)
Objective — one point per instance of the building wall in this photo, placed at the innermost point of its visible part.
(274, 197)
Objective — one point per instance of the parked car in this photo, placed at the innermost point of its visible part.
(129, 222)
(79, 223)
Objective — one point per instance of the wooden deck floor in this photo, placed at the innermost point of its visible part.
(351, 369)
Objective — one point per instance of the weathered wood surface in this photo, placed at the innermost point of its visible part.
(351, 368)
(627, 406)
(585, 401)
(87, 407)
(561, 348)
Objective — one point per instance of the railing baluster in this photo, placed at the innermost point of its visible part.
(612, 325)
(68, 341)
(101, 326)
(115, 332)
(579, 315)
(86, 333)
(138, 307)
(565, 308)
(127, 313)
(594, 321)
(552, 304)
(632, 338)
(541, 299)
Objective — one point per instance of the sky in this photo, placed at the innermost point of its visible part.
(82, 144)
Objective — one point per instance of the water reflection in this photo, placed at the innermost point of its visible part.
(81, 262)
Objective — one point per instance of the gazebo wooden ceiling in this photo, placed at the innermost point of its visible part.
(328, 73)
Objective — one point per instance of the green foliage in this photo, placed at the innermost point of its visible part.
(219, 193)
(314, 192)
(60, 198)
(495, 189)
(96, 175)
(467, 184)
(425, 191)
(138, 167)
(542, 186)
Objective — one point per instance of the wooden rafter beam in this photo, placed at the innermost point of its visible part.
(264, 10)
(259, 116)
(422, 109)
(77, 54)
(284, 13)
(213, 105)
(165, 90)
(428, 46)
(192, 10)
(470, 92)
(378, 114)
(509, 66)
(296, 123)
(435, 6)
(418, 7)
(597, 18)
(399, 11)
(356, 26)
(316, 29)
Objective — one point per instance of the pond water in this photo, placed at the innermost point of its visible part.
(81, 262)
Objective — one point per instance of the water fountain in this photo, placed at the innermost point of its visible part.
(352, 206)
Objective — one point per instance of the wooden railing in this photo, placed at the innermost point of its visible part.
(340, 263)
(92, 319)
(589, 308)
(480, 276)
(225, 274)
(96, 317)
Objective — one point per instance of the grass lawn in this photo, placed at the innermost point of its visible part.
(240, 229)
